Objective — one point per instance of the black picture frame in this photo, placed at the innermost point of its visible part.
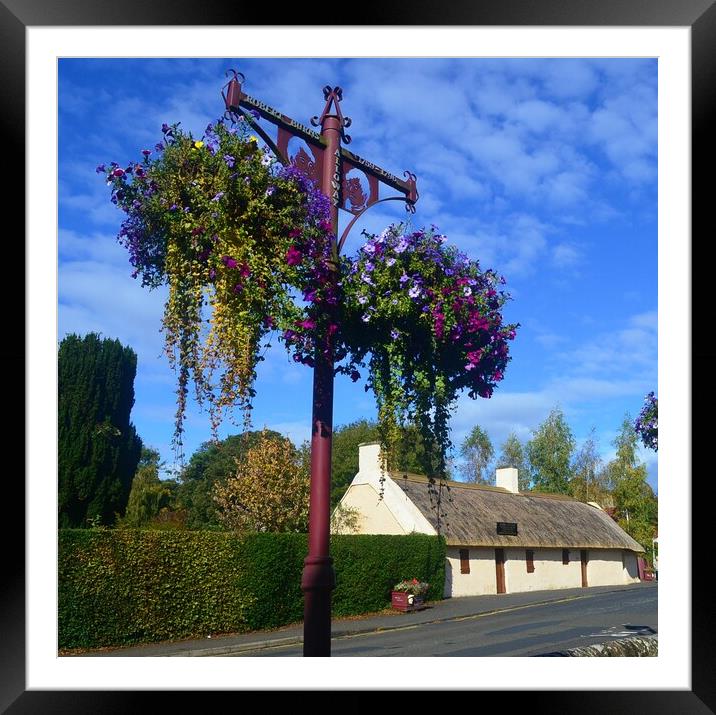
(699, 15)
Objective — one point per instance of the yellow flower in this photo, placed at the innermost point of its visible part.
(252, 138)
(199, 144)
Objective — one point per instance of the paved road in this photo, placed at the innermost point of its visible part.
(523, 631)
(508, 624)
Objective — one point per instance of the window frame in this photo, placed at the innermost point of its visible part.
(464, 561)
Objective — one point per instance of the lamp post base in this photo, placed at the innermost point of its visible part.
(317, 584)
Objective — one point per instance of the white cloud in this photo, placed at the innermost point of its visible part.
(565, 255)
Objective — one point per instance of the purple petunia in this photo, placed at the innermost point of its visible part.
(229, 160)
(402, 245)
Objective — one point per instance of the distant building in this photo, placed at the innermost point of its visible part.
(499, 540)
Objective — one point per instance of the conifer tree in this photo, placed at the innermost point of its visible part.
(98, 446)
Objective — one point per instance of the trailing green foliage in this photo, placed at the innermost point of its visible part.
(124, 586)
(98, 448)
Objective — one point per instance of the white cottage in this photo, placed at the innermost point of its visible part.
(499, 540)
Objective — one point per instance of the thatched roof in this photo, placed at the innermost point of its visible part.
(468, 515)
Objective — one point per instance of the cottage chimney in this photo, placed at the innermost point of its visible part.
(369, 458)
(506, 477)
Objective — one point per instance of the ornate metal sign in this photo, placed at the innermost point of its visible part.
(346, 192)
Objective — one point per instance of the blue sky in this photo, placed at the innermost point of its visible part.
(545, 170)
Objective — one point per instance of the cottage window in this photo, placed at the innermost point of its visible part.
(464, 561)
(565, 556)
(530, 558)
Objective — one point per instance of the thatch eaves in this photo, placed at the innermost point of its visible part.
(467, 515)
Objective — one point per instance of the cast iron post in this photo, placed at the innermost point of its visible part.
(329, 166)
(318, 576)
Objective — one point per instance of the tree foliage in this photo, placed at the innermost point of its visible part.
(589, 480)
(149, 494)
(477, 451)
(512, 454)
(636, 506)
(98, 446)
(550, 454)
(212, 463)
(269, 490)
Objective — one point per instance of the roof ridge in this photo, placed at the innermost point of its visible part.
(412, 477)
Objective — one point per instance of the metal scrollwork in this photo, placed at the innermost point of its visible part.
(333, 95)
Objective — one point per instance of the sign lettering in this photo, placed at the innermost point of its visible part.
(280, 118)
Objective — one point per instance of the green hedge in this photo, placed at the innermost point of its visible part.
(124, 586)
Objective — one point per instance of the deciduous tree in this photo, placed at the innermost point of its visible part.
(149, 494)
(550, 454)
(477, 451)
(512, 454)
(212, 463)
(588, 481)
(636, 506)
(269, 490)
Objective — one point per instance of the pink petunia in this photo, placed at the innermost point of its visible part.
(293, 256)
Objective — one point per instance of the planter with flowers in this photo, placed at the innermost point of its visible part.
(409, 595)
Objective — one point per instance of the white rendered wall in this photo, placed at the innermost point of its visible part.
(549, 571)
(631, 567)
(394, 513)
(482, 578)
(604, 568)
(374, 516)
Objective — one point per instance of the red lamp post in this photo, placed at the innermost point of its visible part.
(329, 167)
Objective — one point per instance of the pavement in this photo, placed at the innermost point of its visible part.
(434, 611)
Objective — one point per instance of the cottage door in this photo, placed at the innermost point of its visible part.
(583, 556)
(500, 570)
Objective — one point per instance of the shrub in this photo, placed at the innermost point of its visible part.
(124, 586)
